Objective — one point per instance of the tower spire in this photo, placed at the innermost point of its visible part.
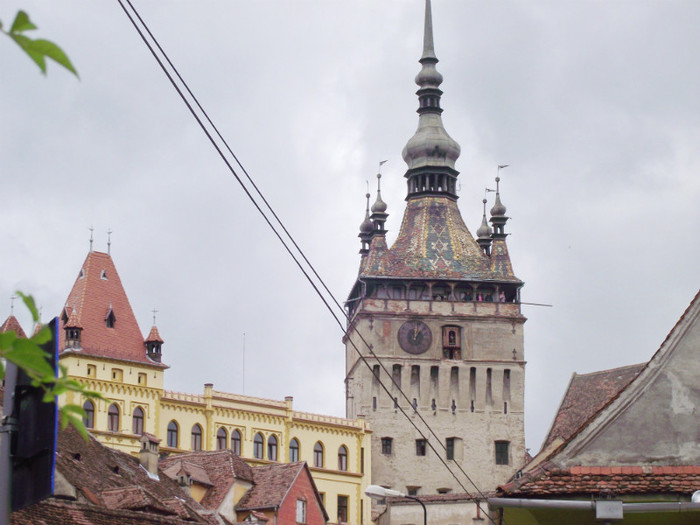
(484, 233)
(379, 214)
(431, 153)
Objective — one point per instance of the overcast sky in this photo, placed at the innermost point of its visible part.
(594, 105)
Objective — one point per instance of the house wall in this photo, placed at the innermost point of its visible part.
(301, 489)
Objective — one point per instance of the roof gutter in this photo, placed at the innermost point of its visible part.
(678, 506)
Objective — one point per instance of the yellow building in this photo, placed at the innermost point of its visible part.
(102, 345)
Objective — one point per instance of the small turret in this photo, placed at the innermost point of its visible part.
(484, 233)
(379, 214)
(153, 345)
(498, 214)
(366, 230)
(73, 330)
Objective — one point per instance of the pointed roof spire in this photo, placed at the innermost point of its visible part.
(379, 205)
(431, 153)
(428, 46)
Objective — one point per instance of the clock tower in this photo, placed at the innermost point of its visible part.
(434, 347)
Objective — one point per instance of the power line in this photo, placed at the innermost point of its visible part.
(289, 236)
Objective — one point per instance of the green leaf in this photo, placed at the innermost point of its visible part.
(42, 336)
(75, 409)
(6, 340)
(55, 53)
(22, 23)
(2, 369)
(30, 358)
(28, 300)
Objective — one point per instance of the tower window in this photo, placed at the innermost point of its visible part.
(113, 418)
(342, 509)
(89, 419)
(111, 319)
(386, 445)
(450, 448)
(421, 446)
(502, 452)
(451, 342)
(343, 458)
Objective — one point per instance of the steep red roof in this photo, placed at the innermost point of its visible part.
(11, 324)
(549, 480)
(272, 482)
(97, 294)
(586, 395)
(154, 336)
(218, 469)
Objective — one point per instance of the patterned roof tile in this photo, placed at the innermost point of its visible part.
(11, 324)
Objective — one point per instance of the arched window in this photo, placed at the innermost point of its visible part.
(293, 450)
(172, 434)
(137, 421)
(196, 437)
(342, 458)
(89, 419)
(113, 418)
(221, 439)
(258, 446)
(272, 448)
(236, 442)
(318, 455)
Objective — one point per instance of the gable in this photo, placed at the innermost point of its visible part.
(654, 421)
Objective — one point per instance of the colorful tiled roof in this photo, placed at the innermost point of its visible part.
(549, 480)
(434, 243)
(218, 469)
(11, 324)
(272, 482)
(97, 292)
(586, 395)
(154, 336)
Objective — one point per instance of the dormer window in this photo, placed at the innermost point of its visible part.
(103, 275)
(111, 319)
(82, 273)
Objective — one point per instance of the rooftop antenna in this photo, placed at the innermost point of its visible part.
(109, 241)
(91, 232)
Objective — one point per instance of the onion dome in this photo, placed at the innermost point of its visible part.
(484, 230)
(379, 205)
(498, 210)
(366, 226)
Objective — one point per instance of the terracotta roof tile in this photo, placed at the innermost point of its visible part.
(11, 324)
(548, 480)
(154, 336)
(221, 469)
(272, 482)
(586, 395)
(96, 292)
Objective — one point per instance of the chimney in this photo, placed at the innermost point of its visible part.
(148, 455)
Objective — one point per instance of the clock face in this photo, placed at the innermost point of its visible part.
(415, 337)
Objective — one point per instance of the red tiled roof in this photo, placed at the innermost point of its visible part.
(272, 482)
(154, 336)
(548, 480)
(586, 395)
(11, 324)
(112, 479)
(55, 512)
(221, 469)
(435, 243)
(97, 292)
